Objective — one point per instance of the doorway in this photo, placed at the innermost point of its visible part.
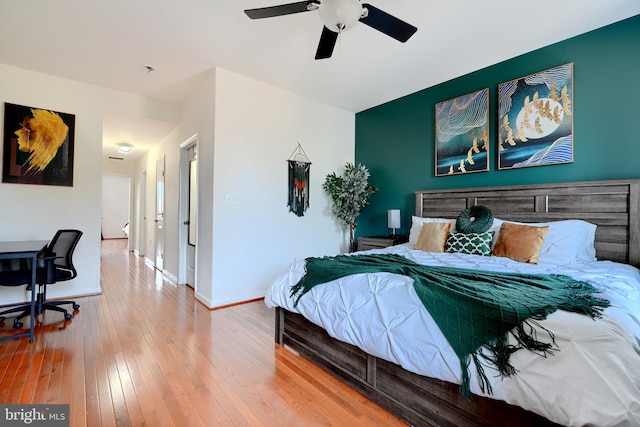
(140, 224)
(116, 197)
(187, 244)
(159, 219)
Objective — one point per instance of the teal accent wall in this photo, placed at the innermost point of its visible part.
(395, 140)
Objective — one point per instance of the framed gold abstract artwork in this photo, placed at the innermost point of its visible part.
(37, 146)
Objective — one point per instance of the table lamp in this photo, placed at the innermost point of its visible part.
(393, 220)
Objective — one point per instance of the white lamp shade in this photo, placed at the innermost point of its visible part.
(340, 15)
(393, 218)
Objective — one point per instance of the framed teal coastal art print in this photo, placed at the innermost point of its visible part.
(462, 134)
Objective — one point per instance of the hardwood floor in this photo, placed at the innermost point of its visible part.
(146, 353)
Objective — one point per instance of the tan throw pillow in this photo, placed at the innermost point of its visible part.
(433, 236)
(521, 243)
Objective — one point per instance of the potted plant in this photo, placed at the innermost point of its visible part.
(350, 193)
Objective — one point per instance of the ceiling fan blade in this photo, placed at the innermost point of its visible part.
(327, 43)
(388, 24)
(283, 9)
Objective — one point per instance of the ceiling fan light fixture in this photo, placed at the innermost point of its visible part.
(340, 15)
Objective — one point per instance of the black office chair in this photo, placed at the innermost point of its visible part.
(54, 265)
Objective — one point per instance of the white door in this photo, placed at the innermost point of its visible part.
(140, 223)
(159, 220)
(193, 220)
(188, 207)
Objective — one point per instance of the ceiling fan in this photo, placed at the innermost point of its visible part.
(338, 16)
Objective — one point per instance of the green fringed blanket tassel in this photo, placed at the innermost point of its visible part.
(472, 308)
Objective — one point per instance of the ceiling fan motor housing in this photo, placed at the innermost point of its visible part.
(340, 15)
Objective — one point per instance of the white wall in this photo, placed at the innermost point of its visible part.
(119, 167)
(197, 118)
(258, 126)
(246, 131)
(116, 201)
(37, 211)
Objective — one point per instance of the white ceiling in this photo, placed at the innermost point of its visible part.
(108, 43)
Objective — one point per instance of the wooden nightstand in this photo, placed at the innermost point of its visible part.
(379, 242)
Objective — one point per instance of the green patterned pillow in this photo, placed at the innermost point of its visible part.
(470, 243)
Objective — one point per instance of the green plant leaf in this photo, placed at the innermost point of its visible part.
(350, 193)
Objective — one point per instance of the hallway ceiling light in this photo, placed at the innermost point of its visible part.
(125, 148)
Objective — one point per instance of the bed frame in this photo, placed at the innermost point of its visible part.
(612, 205)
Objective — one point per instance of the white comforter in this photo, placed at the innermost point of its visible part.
(594, 378)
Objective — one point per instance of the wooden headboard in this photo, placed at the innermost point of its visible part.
(612, 205)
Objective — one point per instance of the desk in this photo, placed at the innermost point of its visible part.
(29, 250)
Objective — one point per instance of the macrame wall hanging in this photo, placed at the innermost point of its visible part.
(299, 166)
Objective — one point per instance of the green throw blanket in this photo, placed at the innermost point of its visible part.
(473, 308)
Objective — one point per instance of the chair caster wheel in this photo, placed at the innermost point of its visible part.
(67, 316)
(18, 325)
(76, 306)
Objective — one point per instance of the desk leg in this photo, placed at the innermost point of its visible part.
(32, 316)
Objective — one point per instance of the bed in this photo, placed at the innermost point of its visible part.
(594, 377)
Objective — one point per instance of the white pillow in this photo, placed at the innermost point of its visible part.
(567, 242)
(495, 227)
(416, 226)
